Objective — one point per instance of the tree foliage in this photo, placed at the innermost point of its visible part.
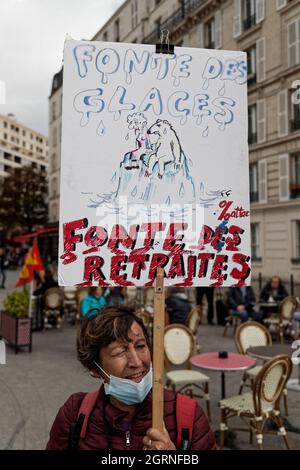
(23, 200)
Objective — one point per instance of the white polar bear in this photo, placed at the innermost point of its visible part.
(167, 147)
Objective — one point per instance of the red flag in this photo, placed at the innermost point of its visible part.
(33, 262)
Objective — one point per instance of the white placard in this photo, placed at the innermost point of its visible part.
(154, 166)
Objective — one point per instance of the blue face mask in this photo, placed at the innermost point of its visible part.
(127, 391)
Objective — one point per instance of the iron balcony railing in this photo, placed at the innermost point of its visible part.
(252, 138)
(210, 45)
(171, 23)
(251, 79)
(249, 21)
(294, 190)
(253, 196)
(295, 124)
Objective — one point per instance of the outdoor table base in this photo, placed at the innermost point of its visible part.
(234, 362)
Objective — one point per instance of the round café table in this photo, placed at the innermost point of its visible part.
(234, 362)
(267, 352)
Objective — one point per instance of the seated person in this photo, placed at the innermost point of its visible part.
(241, 301)
(295, 333)
(178, 305)
(115, 348)
(94, 301)
(274, 291)
(117, 296)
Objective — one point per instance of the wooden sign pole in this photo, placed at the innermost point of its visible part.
(158, 352)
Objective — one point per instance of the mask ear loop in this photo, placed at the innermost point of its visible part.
(101, 370)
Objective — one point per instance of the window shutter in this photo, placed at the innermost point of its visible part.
(262, 181)
(284, 177)
(282, 113)
(292, 43)
(201, 35)
(261, 121)
(261, 59)
(237, 18)
(260, 11)
(280, 4)
(218, 30)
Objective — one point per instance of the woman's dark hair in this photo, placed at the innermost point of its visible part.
(111, 324)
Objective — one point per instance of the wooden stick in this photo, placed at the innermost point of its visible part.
(158, 352)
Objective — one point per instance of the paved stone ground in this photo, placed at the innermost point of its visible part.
(34, 386)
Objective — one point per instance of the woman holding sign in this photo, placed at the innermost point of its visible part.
(114, 347)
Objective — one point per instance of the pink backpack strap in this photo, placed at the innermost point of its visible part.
(86, 408)
(185, 415)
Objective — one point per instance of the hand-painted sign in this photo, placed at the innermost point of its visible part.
(154, 168)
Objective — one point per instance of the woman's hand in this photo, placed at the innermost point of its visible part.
(156, 440)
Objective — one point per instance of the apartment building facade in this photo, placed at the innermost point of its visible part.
(269, 31)
(20, 145)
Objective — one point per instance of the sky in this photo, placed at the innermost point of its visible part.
(32, 34)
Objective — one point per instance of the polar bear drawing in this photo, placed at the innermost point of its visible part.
(167, 148)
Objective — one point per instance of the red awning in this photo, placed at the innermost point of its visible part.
(28, 236)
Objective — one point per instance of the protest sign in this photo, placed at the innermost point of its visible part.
(154, 169)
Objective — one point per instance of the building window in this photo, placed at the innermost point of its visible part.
(295, 117)
(255, 248)
(5, 136)
(297, 245)
(53, 111)
(209, 34)
(54, 212)
(7, 156)
(117, 30)
(7, 168)
(54, 187)
(134, 13)
(252, 124)
(105, 36)
(295, 183)
(253, 178)
(5, 124)
(251, 65)
(54, 137)
(18, 159)
(249, 14)
(294, 43)
(23, 133)
(296, 242)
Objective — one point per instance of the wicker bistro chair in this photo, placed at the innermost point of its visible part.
(179, 347)
(53, 301)
(283, 320)
(70, 307)
(262, 404)
(250, 334)
(192, 322)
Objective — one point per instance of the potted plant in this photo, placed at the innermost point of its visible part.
(15, 324)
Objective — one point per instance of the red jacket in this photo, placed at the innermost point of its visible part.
(112, 435)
